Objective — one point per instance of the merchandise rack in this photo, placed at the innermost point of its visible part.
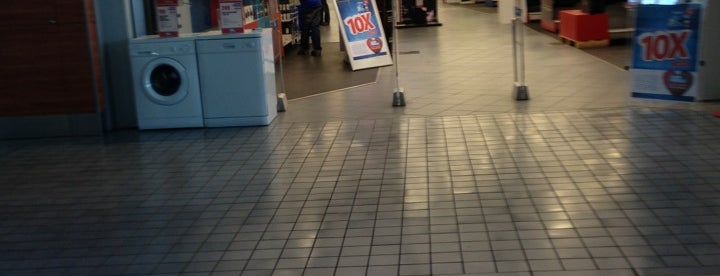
(290, 21)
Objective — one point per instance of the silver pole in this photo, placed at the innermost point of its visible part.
(282, 101)
(395, 55)
(399, 93)
(521, 47)
(514, 49)
(518, 33)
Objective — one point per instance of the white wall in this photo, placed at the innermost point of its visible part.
(709, 55)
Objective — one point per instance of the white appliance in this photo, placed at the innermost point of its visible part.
(165, 81)
(237, 78)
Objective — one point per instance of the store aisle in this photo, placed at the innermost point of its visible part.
(465, 68)
(306, 76)
(331, 33)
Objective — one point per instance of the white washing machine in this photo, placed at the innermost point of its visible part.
(165, 80)
(237, 78)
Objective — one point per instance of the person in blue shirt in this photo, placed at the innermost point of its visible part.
(310, 19)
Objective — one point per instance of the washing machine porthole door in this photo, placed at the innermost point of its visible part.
(165, 81)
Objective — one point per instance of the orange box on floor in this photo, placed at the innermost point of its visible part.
(579, 26)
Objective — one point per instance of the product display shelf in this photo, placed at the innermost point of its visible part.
(290, 22)
(256, 14)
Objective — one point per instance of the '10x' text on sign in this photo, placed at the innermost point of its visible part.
(360, 23)
(664, 45)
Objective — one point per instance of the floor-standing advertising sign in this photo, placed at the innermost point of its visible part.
(665, 52)
(167, 18)
(362, 34)
(231, 16)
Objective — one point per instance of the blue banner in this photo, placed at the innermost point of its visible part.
(666, 37)
(665, 52)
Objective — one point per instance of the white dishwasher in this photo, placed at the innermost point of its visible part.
(237, 78)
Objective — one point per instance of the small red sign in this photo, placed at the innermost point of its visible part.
(167, 18)
(166, 3)
(231, 16)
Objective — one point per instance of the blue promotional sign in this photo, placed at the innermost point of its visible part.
(363, 34)
(665, 51)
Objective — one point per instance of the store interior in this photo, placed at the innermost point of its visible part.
(305, 76)
(90, 90)
(581, 179)
(331, 72)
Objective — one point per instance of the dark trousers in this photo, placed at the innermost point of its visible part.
(325, 12)
(310, 28)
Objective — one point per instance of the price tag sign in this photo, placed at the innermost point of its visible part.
(231, 16)
(167, 18)
(665, 52)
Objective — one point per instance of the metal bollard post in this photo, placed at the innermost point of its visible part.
(518, 37)
(399, 92)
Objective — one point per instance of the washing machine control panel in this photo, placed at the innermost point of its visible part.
(228, 45)
(162, 49)
(250, 44)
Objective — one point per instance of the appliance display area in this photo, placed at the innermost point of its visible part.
(205, 79)
(165, 79)
(237, 75)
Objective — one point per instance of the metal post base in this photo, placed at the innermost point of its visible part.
(282, 102)
(399, 97)
(521, 93)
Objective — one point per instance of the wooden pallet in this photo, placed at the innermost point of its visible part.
(585, 44)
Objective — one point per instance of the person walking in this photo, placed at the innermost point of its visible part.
(310, 19)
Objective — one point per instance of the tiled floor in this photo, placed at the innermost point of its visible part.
(344, 184)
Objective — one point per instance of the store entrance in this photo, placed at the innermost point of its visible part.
(307, 75)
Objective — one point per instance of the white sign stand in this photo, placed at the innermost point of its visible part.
(399, 93)
(362, 33)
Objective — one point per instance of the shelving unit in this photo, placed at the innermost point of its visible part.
(290, 21)
(257, 13)
(416, 13)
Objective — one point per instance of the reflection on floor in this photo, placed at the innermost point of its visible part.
(310, 75)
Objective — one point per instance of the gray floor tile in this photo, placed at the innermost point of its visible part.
(447, 268)
(354, 271)
(382, 270)
(318, 271)
(511, 266)
(415, 269)
(578, 264)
